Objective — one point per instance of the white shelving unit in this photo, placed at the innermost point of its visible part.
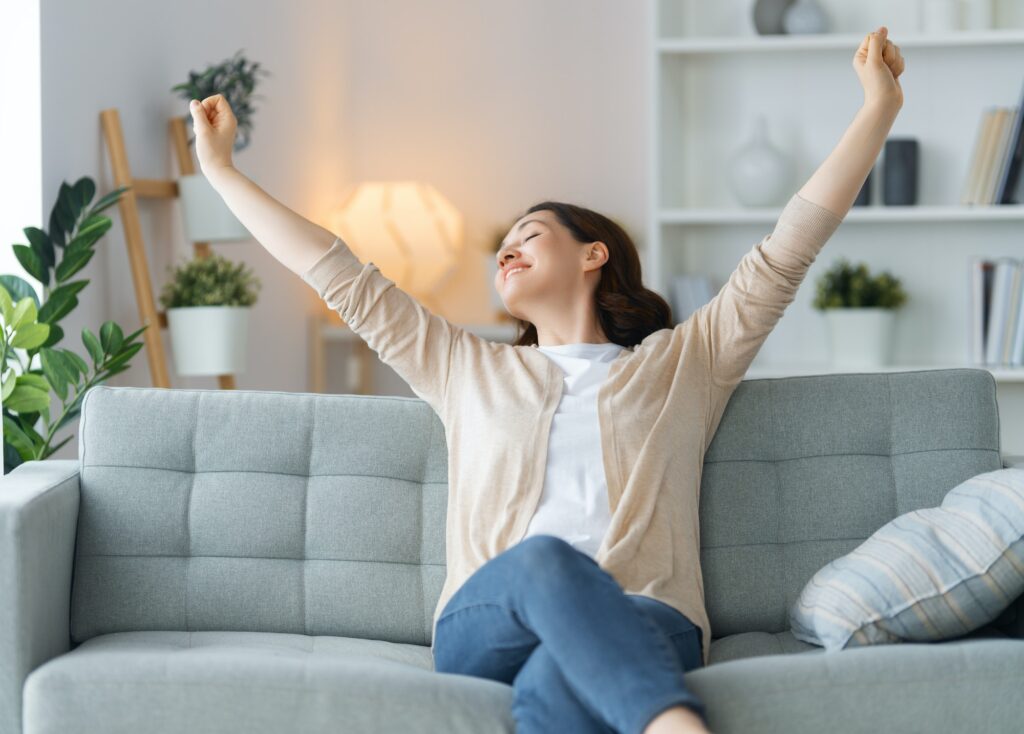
(711, 75)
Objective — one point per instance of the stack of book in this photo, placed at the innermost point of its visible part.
(994, 169)
(996, 328)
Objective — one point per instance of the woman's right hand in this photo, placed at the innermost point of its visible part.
(214, 124)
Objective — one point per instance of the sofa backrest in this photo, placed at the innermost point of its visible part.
(803, 469)
(249, 510)
(325, 514)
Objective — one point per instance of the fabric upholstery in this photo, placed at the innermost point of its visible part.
(268, 556)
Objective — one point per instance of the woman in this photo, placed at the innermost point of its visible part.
(574, 455)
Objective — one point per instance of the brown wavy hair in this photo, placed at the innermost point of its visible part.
(626, 310)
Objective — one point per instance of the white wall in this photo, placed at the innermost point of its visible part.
(20, 143)
(128, 54)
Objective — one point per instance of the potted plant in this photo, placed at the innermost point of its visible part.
(207, 217)
(207, 301)
(860, 310)
(30, 362)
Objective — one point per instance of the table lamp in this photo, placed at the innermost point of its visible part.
(408, 229)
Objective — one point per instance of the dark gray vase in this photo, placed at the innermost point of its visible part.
(900, 172)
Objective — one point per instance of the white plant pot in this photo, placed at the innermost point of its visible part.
(209, 340)
(207, 217)
(860, 337)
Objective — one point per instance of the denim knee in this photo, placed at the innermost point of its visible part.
(543, 553)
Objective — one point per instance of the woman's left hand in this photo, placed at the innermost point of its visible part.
(879, 64)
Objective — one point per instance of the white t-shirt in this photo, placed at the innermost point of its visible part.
(574, 501)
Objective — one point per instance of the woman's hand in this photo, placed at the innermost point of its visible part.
(879, 64)
(214, 124)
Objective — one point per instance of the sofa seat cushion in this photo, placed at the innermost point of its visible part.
(952, 685)
(165, 681)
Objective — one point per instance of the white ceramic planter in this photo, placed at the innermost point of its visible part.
(860, 337)
(209, 340)
(207, 217)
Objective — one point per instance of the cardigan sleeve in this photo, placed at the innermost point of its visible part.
(416, 343)
(735, 323)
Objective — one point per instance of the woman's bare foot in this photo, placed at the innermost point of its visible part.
(677, 720)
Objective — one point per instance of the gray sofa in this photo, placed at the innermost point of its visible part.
(254, 561)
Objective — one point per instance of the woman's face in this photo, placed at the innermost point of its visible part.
(539, 262)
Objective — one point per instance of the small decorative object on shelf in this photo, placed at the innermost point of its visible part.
(900, 168)
(860, 310)
(760, 174)
(207, 302)
(207, 217)
(978, 15)
(805, 16)
(864, 195)
(939, 16)
(767, 16)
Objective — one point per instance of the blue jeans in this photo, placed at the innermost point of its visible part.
(581, 655)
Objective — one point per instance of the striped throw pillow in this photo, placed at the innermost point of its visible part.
(926, 575)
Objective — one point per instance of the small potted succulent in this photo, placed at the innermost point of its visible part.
(207, 301)
(860, 310)
(207, 217)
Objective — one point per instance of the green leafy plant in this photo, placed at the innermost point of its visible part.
(848, 286)
(30, 325)
(210, 281)
(235, 78)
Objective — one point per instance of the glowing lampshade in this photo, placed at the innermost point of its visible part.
(407, 229)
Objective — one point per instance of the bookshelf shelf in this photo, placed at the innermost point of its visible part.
(868, 214)
(832, 42)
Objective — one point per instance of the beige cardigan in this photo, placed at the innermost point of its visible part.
(658, 410)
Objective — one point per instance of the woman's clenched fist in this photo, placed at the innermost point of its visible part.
(214, 124)
(878, 63)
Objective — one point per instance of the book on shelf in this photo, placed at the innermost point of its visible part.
(994, 170)
(996, 323)
(687, 293)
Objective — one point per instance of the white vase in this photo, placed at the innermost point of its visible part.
(759, 173)
(207, 217)
(977, 15)
(860, 337)
(939, 16)
(209, 340)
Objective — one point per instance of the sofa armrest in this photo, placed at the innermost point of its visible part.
(38, 523)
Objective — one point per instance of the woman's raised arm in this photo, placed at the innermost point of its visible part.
(735, 323)
(417, 344)
(294, 240)
(878, 64)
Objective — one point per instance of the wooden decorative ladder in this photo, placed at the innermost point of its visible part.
(128, 205)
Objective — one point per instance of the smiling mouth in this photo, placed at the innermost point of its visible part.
(515, 272)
